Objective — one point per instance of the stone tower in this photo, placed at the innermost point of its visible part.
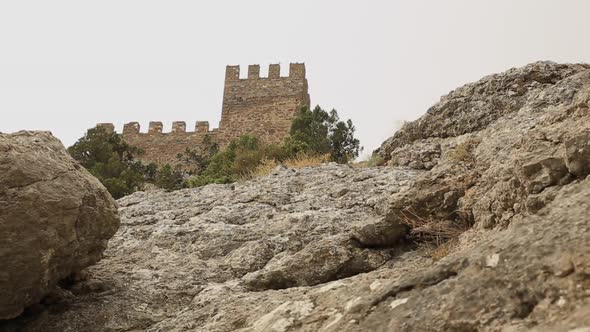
(262, 106)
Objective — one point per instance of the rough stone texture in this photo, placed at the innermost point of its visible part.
(532, 276)
(261, 106)
(163, 148)
(322, 249)
(290, 229)
(577, 154)
(264, 107)
(55, 218)
(475, 106)
(498, 148)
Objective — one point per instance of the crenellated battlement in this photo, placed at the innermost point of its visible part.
(296, 71)
(179, 127)
(108, 127)
(131, 128)
(156, 128)
(259, 106)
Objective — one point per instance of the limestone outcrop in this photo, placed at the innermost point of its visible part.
(497, 148)
(55, 218)
(338, 248)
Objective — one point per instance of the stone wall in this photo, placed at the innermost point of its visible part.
(260, 106)
(264, 107)
(162, 148)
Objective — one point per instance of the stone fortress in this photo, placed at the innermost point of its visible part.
(260, 106)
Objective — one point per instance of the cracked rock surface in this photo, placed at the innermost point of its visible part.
(55, 218)
(277, 234)
(328, 248)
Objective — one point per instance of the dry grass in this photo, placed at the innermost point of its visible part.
(433, 231)
(438, 252)
(266, 166)
(436, 238)
(305, 160)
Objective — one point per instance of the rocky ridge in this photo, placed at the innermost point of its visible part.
(330, 248)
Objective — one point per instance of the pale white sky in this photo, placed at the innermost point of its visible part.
(66, 65)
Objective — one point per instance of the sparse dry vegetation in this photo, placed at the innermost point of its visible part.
(373, 161)
(464, 152)
(437, 238)
(438, 252)
(306, 159)
(266, 166)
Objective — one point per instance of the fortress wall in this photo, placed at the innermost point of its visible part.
(162, 148)
(261, 106)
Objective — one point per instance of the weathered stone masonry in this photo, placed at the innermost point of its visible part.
(261, 106)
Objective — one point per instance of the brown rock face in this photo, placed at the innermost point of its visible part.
(55, 218)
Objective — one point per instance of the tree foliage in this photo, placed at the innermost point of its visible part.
(319, 132)
(239, 158)
(313, 133)
(197, 158)
(106, 156)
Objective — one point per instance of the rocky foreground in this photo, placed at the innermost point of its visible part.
(55, 219)
(337, 248)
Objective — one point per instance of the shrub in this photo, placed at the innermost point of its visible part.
(106, 156)
(306, 160)
(438, 252)
(430, 230)
(169, 178)
(196, 159)
(266, 165)
(317, 132)
(240, 158)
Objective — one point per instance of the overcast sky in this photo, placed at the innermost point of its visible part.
(66, 65)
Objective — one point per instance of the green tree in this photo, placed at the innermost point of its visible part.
(319, 132)
(106, 156)
(344, 146)
(197, 159)
(169, 178)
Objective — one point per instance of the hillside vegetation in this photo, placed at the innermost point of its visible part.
(315, 135)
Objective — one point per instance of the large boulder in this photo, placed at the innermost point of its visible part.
(55, 218)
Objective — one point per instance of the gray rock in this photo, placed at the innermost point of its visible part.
(577, 154)
(381, 233)
(505, 142)
(55, 218)
(422, 155)
(318, 249)
(476, 106)
(532, 275)
(288, 230)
